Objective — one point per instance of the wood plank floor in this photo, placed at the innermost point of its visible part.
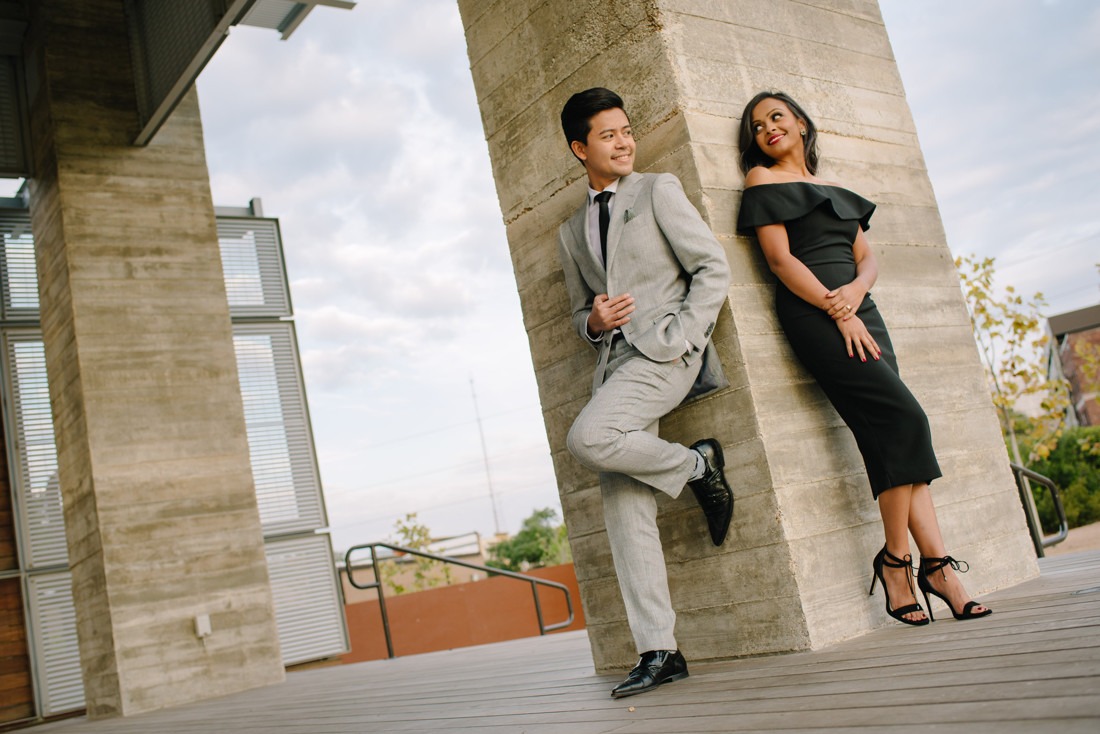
(1034, 666)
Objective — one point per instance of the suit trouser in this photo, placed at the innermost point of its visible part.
(616, 435)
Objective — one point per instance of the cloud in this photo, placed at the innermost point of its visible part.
(1007, 105)
(362, 135)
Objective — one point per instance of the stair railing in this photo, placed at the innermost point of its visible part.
(534, 581)
(1023, 478)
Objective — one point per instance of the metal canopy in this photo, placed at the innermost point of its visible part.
(286, 15)
(170, 44)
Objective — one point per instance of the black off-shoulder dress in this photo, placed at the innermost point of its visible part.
(889, 425)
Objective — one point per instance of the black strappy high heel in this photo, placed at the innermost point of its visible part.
(930, 566)
(889, 560)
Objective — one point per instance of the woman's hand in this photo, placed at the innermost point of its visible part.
(843, 302)
(857, 338)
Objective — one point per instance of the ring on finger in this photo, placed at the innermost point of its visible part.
(848, 307)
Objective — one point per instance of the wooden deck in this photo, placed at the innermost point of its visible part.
(1034, 666)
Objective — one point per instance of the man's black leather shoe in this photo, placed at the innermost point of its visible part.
(712, 491)
(654, 668)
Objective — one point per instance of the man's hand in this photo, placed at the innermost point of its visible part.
(609, 313)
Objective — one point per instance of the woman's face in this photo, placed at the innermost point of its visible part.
(775, 128)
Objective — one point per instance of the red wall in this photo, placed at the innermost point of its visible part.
(461, 615)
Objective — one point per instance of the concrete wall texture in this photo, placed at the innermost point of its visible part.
(794, 572)
(160, 508)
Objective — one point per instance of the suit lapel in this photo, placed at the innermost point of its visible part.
(577, 229)
(626, 193)
(586, 259)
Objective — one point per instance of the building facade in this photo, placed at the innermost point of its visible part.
(138, 394)
(41, 667)
(1073, 354)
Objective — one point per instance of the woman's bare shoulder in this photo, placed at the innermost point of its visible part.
(759, 175)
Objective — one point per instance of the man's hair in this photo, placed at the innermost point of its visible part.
(577, 114)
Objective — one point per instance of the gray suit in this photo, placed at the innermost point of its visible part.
(661, 252)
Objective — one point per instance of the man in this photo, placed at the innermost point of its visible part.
(649, 312)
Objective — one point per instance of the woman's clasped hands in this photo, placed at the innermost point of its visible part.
(843, 302)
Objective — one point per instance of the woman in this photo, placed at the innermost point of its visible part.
(811, 232)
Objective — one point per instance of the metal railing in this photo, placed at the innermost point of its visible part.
(377, 584)
(1023, 478)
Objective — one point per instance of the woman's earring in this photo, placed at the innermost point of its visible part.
(803, 133)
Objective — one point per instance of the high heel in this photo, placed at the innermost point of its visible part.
(931, 565)
(889, 560)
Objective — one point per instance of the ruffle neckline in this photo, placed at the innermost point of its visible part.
(780, 202)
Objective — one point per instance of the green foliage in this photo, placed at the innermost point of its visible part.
(1074, 465)
(538, 543)
(426, 573)
(1009, 334)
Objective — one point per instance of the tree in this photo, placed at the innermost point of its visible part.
(426, 573)
(1011, 340)
(538, 543)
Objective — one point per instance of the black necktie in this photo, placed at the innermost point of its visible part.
(605, 220)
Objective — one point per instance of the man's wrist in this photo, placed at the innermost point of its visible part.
(592, 334)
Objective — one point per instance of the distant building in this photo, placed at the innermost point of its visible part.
(1072, 336)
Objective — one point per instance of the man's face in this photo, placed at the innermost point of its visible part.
(609, 153)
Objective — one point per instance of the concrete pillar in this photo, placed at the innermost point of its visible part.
(794, 573)
(160, 508)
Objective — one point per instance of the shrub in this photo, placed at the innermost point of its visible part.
(1074, 465)
(539, 543)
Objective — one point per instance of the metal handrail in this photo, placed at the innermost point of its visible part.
(377, 584)
(1040, 541)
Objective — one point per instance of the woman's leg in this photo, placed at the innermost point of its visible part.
(894, 505)
(926, 532)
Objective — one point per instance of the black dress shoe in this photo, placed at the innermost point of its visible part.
(712, 491)
(654, 668)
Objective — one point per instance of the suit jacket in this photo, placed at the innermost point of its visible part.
(660, 251)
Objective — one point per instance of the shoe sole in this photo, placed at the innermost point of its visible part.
(670, 679)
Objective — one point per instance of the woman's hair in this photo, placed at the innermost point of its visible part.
(752, 155)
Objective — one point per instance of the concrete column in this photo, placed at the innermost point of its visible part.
(795, 570)
(160, 507)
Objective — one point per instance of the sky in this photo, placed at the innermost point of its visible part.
(404, 297)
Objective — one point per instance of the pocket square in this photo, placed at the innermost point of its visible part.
(628, 215)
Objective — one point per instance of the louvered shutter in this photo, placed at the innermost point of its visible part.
(288, 488)
(53, 638)
(18, 277)
(308, 607)
(37, 489)
(252, 258)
